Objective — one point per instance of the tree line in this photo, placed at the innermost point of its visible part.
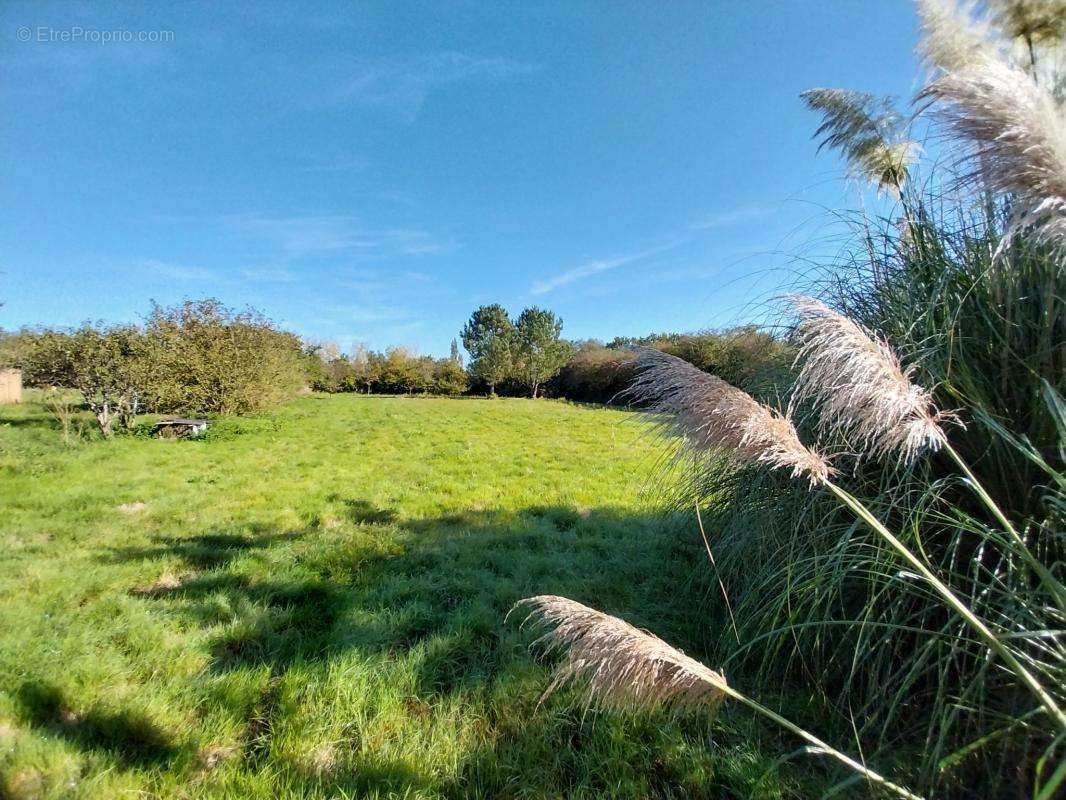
(201, 357)
(396, 370)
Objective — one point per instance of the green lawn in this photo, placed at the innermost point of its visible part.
(311, 603)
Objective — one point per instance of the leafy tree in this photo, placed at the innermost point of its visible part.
(400, 371)
(455, 355)
(375, 371)
(208, 358)
(362, 367)
(541, 353)
(14, 347)
(489, 337)
(109, 366)
(449, 377)
(496, 363)
(328, 369)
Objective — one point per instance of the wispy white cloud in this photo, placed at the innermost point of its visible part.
(179, 272)
(593, 267)
(311, 235)
(404, 83)
(599, 265)
(735, 216)
(269, 275)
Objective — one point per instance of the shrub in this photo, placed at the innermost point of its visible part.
(109, 366)
(449, 377)
(745, 356)
(595, 374)
(964, 278)
(754, 360)
(208, 358)
(198, 357)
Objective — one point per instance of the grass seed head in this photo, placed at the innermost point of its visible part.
(864, 393)
(1018, 133)
(953, 36)
(615, 664)
(714, 416)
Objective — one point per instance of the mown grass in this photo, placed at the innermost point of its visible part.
(310, 604)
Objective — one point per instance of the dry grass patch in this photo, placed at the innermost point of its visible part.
(167, 582)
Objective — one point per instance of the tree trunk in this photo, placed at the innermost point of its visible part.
(103, 419)
(127, 412)
(492, 390)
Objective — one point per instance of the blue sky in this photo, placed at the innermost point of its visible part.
(372, 171)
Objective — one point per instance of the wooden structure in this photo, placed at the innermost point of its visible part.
(10, 386)
(180, 428)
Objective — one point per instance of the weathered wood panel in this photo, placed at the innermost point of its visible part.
(10, 386)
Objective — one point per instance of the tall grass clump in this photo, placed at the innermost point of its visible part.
(895, 540)
(934, 373)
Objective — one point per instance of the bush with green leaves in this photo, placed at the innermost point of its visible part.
(449, 377)
(109, 366)
(207, 358)
(199, 357)
(594, 374)
(746, 356)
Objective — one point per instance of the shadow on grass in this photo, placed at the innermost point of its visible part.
(43, 421)
(131, 738)
(205, 551)
(362, 512)
(432, 594)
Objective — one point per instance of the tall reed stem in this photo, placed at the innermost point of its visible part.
(818, 743)
(952, 600)
(718, 577)
(1058, 591)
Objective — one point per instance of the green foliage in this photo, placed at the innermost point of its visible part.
(539, 349)
(400, 372)
(15, 347)
(108, 366)
(396, 371)
(484, 325)
(746, 357)
(208, 358)
(595, 374)
(754, 360)
(489, 337)
(526, 353)
(197, 357)
(449, 377)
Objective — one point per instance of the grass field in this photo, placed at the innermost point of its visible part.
(311, 603)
